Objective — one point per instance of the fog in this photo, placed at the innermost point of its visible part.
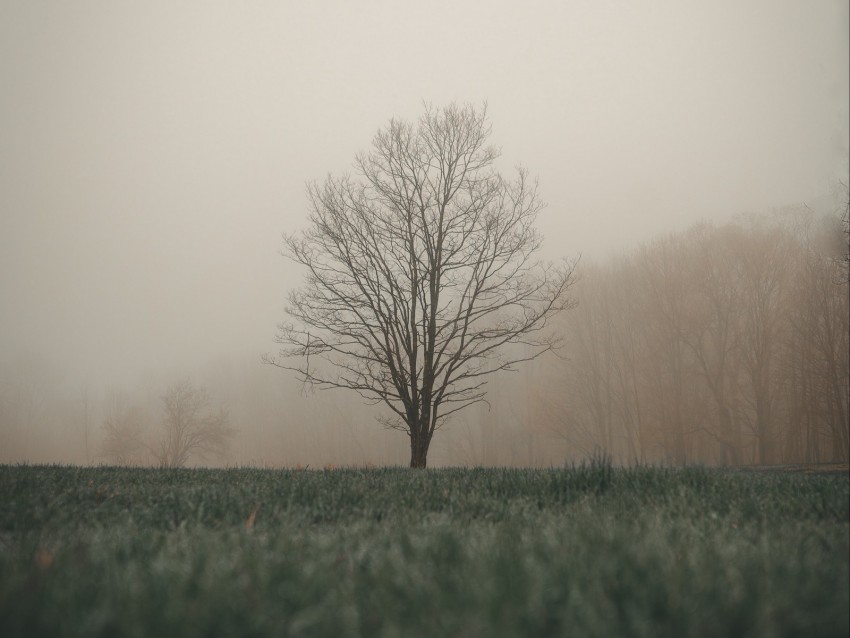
(152, 154)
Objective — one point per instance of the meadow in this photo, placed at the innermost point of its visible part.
(581, 551)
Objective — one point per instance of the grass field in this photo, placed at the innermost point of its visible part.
(588, 551)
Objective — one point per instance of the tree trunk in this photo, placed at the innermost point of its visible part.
(730, 446)
(765, 438)
(418, 450)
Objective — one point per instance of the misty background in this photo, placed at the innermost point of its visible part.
(151, 156)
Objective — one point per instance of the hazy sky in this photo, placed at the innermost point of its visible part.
(152, 153)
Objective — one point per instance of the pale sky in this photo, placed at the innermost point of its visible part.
(152, 153)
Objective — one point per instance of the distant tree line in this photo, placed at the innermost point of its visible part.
(722, 345)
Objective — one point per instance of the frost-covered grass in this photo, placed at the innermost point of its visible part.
(589, 551)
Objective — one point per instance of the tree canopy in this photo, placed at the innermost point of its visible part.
(421, 277)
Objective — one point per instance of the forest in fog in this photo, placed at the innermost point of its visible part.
(720, 345)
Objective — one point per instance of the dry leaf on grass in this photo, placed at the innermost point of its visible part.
(252, 517)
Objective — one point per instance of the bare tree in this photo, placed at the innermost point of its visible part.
(714, 327)
(421, 278)
(665, 293)
(764, 278)
(191, 426)
(124, 433)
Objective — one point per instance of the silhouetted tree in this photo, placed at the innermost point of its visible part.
(714, 329)
(124, 428)
(421, 278)
(191, 426)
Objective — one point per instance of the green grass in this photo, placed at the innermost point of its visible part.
(590, 551)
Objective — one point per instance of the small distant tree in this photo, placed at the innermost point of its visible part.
(123, 434)
(191, 426)
(421, 275)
